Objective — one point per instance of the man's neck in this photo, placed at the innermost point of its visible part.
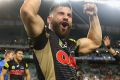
(17, 61)
(50, 28)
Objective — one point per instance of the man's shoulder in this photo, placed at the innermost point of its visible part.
(40, 41)
(11, 62)
(23, 62)
(2, 62)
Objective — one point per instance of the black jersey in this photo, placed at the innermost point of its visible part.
(55, 57)
(16, 71)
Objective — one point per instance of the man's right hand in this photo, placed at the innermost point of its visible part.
(106, 41)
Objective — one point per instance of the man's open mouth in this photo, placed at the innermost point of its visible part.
(65, 24)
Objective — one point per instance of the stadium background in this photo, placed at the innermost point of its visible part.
(99, 65)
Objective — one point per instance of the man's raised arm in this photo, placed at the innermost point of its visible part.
(94, 37)
(95, 33)
(33, 23)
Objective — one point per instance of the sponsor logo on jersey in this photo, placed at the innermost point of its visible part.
(63, 58)
(17, 72)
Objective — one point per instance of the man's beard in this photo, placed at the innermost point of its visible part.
(58, 30)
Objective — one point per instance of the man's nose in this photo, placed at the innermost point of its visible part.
(65, 18)
(21, 55)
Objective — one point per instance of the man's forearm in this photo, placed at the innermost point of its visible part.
(1, 77)
(95, 33)
(112, 51)
(28, 77)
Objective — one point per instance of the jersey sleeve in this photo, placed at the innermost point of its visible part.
(26, 66)
(6, 66)
(40, 41)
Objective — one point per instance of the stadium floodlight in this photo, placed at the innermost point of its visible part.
(112, 3)
(6, 0)
(60, 1)
(3, 2)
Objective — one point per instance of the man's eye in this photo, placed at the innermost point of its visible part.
(61, 13)
(70, 15)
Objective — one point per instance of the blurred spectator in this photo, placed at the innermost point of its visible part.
(107, 43)
(7, 57)
(17, 67)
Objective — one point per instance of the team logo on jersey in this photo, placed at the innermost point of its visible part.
(63, 58)
(13, 67)
(22, 67)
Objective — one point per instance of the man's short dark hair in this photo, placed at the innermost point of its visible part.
(56, 5)
(16, 50)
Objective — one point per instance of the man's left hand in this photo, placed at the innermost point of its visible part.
(90, 9)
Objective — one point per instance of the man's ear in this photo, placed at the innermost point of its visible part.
(49, 18)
